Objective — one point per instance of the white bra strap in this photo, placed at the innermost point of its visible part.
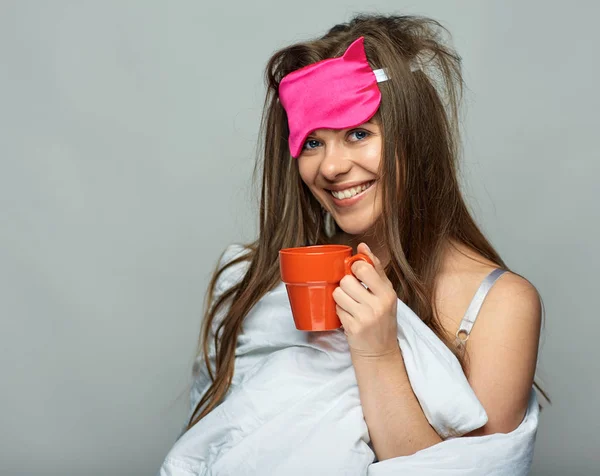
(462, 334)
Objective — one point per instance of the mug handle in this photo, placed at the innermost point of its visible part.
(351, 259)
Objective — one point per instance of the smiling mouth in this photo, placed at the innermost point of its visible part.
(351, 192)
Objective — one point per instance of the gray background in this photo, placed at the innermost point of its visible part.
(127, 139)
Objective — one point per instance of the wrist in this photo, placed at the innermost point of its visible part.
(390, 354)
(371, 368)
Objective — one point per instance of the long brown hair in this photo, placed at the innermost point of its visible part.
(423, 208)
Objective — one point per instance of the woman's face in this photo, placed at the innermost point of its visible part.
(340, 167)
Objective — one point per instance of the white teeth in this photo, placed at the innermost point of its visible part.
(351, 192)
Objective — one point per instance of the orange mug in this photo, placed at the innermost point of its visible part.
(310, 274)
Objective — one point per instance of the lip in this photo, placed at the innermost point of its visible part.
(348, 202)
(346, 186)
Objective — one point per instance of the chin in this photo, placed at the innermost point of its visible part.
(361, 222)
(355, 227)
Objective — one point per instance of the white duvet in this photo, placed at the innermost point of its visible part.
(294, 408)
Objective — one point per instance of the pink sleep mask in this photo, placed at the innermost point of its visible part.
(335, 93)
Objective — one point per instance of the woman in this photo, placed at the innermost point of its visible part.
(360, 148)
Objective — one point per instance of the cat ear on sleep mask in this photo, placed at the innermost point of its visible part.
(335, 93)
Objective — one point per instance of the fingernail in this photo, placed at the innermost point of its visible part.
(368, 249)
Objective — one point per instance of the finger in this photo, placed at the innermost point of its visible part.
(355, 289)
(345, 301)
(368, 274)
(364, 248)
(345, 318)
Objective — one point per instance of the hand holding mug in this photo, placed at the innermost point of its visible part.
(368, 315)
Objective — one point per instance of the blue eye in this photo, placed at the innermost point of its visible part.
(311, 144)
(360, 134)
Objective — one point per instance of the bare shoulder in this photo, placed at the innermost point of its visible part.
(509, 321)
(515, 301)
(501, 353)
(511, 306)
(463, 271)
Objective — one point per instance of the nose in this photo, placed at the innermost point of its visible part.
(335, 162)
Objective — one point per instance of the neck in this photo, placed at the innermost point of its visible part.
(371, 239)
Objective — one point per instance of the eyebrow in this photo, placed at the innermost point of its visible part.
(370, 121)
